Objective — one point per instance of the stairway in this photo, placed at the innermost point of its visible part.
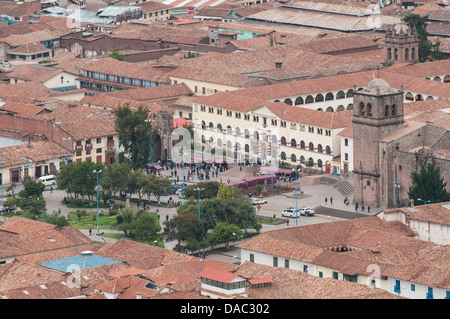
(343, 187)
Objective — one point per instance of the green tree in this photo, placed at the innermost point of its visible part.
(309, 163)
(210, 189)
(34, 206)
(117, 56)
(145, 226)
(114, 179)
(157, 186)
(428, 185)
(226, 191)
(133, 129)
(79, 178)
(427, 50)
(184, 227)
(32, 189)
(55, 219)
(223, 234)
(136, 183)
(125, 219)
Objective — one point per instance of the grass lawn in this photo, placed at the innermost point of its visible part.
(89, 220)
(21, 213)
(84, 203)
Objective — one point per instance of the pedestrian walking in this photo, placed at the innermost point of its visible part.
(356, 207)
(331, 200)
(368, 209)
(362, 208)
(287, 221)
(326, 200)
(90, 232)
(59, 210)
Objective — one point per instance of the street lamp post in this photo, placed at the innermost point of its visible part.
(98, 225)
(239, 260)
(1, 173)
(296, 194)
(198, 189)
(271, 166)
(149, 147)
(184, 181)
(425, 201)
(67, 149)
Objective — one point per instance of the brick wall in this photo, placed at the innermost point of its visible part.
(31, 129)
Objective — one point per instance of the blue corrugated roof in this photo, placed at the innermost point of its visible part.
(79, 262)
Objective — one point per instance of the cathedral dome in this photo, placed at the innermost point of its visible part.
(379, 86)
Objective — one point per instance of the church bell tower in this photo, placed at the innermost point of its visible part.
(377, 113)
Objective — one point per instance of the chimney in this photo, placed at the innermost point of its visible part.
(411, 202)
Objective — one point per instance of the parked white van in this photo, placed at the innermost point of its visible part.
(47, 180)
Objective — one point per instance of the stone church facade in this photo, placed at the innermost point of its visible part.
(401, 44)
(387, 148)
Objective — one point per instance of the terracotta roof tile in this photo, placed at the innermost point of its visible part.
(234, 101)
(36, 151)
(127, 69)
(20, 109)
(153, 93)
(366, 240)
(34, 72)
(263, 60)
(293, 284)
(16, 40)
(20, 236)
(112, 103)
(27, 90)
(89, 128)
(141, 255)
(219, 275)
(435, 213)
(422, 70)
(28, 48)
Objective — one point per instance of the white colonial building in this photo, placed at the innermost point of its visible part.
(252, 129)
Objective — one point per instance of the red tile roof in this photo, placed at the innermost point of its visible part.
(22, 110)
(28, 48)
(22, 236)
(127, 69)
(260, 280)
(219, 275)
(233, 101)
(36, 151)
(34, 72)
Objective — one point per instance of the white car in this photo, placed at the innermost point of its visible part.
(257, 201)
(306, 211)
(289, 212)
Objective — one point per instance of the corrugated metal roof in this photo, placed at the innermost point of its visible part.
(79, 262)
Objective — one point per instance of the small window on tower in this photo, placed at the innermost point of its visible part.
(368, 183)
